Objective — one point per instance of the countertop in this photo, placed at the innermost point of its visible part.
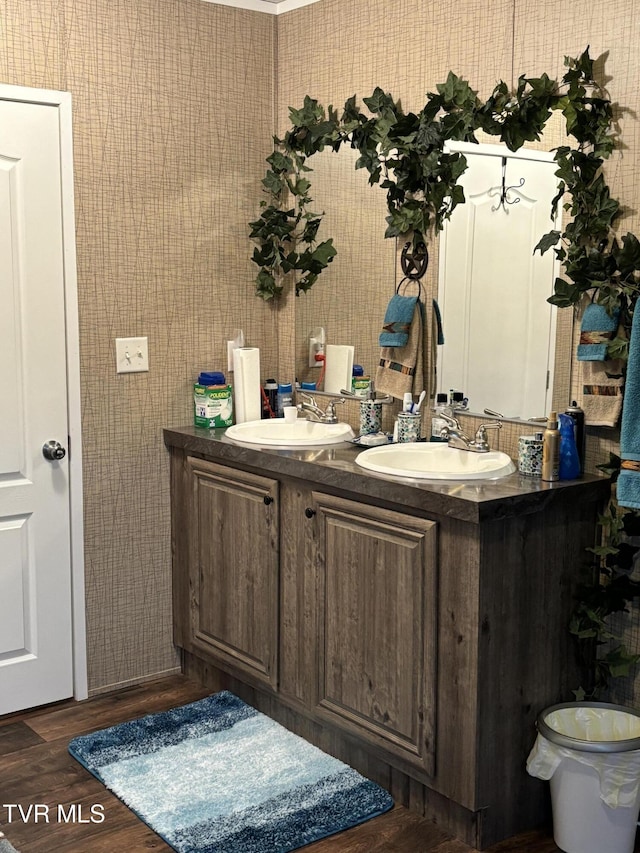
(335, 467)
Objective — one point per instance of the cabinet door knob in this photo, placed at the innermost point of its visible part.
(267, 499)
(309, 512)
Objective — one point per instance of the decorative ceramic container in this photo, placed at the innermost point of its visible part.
(530, 455)
(408, 427)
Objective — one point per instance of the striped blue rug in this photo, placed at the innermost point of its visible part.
(217, 776)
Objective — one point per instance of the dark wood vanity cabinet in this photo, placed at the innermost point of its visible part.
(344, 623)
(413, 634)
(230, 518)
(358, 627)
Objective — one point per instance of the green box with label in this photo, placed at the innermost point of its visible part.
(212, 405)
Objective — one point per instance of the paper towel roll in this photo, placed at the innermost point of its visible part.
(246, 384)
(338, 368)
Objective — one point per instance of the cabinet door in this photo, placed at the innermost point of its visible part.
(233, 569)
(376, 600)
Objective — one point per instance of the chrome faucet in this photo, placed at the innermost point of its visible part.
(313, 412)
(456, 436)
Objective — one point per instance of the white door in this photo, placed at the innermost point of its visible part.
(36, 661)
(499, 329)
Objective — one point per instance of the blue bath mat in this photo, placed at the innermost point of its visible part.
(217, 776)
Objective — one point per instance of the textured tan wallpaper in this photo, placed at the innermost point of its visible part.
(175, 102)
(173, 115)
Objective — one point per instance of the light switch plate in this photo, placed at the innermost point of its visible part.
(132, 355)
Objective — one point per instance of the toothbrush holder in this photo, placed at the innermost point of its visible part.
(370, 417)
(409, 426)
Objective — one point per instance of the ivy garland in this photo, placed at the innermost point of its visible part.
(404, 154)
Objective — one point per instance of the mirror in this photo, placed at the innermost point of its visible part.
(499, 329)
(350, 299)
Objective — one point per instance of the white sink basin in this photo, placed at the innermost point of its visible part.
(300, 433)
(435, 461)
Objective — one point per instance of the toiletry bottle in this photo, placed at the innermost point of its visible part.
(458, 400)
(285, 397)
(551, 450)
(569, 466)
(437, 423)
(271, 393)
(359, 382)
(577, 416)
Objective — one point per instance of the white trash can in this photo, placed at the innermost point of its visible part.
(590, 753)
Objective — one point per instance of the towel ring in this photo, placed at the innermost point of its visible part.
(414, 262)
(408, 280)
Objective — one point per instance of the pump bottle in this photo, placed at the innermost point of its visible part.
(437, 422)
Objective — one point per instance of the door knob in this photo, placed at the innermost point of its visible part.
(309, 512)
(53, 451)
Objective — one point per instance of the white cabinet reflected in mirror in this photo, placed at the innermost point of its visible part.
(499, 329)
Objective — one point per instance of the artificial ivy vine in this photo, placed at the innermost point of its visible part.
(404, 154)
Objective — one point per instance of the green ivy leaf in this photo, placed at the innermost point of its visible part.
(311, 113)
(619, 661)
(324, 253)
(628, 258)
(380, 101)
(279, 162)
(547, 242)
(565, 294)
(273, 183)
(456, 92)
(266, 285)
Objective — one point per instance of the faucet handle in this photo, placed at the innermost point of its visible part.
(330, 416)
(480, 440)
(450, 420)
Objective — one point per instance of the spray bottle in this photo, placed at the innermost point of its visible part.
(569, 468)
(551, 450)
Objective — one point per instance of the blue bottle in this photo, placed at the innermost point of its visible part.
(285, 397)
(570, 467)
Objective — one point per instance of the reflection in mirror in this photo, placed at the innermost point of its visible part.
(349, 299)
(499, 329)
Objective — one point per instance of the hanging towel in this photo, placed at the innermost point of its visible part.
(596, 331)
(396, 372)
(412, 368)
(397, 321)
(601, 387)
(628, 486)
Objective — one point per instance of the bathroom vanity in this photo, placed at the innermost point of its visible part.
(413, 629)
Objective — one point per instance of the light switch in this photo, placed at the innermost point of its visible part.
(132, 355)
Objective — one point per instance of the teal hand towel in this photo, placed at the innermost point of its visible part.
(628, 487)
(397, 321)
(596, 331)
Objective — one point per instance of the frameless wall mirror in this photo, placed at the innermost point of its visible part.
(499, 329)
(350, 298)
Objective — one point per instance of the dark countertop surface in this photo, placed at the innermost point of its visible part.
(334, 466)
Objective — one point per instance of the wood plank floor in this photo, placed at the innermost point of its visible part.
(35, 768)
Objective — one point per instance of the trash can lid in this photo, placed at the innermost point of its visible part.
(591, 726)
